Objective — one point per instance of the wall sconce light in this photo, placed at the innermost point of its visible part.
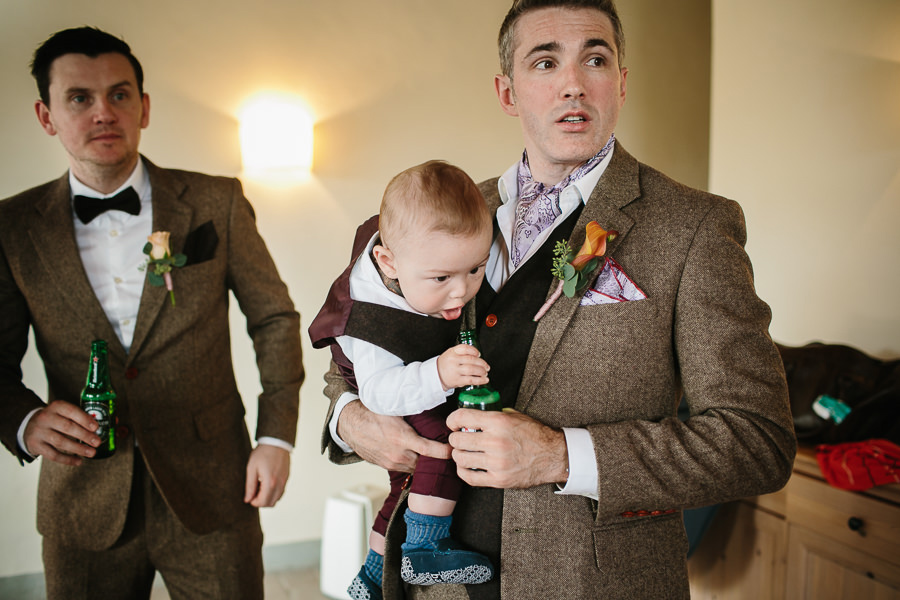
(276, 134)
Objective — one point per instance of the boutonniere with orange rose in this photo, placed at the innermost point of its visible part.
(161, 262)
(572, 269)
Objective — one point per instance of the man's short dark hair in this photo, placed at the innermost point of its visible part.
(89, 41)
(506, 41)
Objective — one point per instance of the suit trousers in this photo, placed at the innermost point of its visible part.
(223, 564)
(433, 476)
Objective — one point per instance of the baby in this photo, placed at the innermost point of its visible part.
(409, 286)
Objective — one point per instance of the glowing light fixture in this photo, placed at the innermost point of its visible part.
(276, 133)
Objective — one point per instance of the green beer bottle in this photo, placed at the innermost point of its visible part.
(479, 397)
(98, 399)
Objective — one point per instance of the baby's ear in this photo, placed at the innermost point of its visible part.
(385, 260)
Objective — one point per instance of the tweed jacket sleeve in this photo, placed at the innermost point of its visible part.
(16, 401)
(272, 323)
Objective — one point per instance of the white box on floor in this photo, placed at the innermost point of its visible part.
(349, 515)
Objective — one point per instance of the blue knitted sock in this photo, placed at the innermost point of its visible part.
(421, 529)
(374, 566)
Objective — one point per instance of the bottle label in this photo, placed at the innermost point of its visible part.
(100, 412)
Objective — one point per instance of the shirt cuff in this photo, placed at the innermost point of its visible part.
(430, 367)
(270, 441)
(345, 399)
(582, 465)
(20, 435)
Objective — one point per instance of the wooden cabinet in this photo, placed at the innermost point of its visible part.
(807, 541)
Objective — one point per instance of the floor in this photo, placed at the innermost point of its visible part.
(286, 584)
(293, 584)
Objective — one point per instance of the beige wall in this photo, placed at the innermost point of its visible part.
(806, 134)
(391, 83)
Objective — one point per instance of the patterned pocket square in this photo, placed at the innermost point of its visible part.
(612, 285)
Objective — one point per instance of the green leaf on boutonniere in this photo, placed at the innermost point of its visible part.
(155, 279)
(180, 260)
(147, 247)
(569, 286)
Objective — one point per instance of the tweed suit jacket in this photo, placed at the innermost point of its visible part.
(619, 370)
(176, 388)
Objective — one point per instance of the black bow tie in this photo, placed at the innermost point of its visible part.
(86, 208)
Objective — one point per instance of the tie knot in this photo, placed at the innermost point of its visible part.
(87, 208)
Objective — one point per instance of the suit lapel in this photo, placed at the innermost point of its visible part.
(172, 215)
(53, 236)
(618, 186)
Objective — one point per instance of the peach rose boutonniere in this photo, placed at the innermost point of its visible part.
(572, 269)
(161, 261)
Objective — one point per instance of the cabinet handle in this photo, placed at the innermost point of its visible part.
(856, 524)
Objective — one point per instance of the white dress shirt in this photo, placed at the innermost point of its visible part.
(583, 477)
(111, 248)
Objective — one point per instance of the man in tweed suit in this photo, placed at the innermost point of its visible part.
(182, 492)
(579, 492)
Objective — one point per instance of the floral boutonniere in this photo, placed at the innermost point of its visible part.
(573, 269)
(161, 262)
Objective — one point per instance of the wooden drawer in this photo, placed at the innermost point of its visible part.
(818, 507)
(820, 569)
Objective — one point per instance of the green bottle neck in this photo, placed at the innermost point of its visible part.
(98, 368)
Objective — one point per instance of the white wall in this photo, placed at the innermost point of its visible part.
(806, 135)
(391, 83)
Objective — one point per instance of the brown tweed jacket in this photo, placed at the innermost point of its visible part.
(176, 389)
(619, 370)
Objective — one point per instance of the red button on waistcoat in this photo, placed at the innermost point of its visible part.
(122, 432)
(491, 320)
(131, 373)
(627, 514)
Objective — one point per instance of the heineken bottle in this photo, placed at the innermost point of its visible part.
(479, 397)
(98, 399)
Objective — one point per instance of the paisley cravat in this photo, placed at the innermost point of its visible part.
(538, 205)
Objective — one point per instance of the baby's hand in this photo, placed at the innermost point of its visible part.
(462, 365)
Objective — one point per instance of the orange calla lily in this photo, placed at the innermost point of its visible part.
(594, 244)
(571, 275)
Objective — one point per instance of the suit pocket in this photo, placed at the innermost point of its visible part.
(643, 308)
(645, 553)
(631, 323)
(200, 244)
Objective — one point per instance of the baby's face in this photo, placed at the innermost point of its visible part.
(439, 272)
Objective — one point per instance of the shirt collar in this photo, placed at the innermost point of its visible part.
(508, 184)
(139, 180)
